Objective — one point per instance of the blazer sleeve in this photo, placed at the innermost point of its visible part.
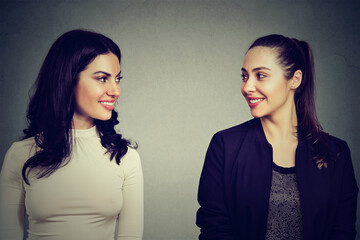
(131, 218)
(213, 215)
(12, 197)
(344, 226)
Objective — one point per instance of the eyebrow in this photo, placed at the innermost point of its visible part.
(107, 74)
(257, 69)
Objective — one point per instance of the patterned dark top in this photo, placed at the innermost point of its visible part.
(284, 219)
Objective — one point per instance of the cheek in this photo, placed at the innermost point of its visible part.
(242, 88)
(82, 96)
(283, 88)
(273, 88)
(89, 94)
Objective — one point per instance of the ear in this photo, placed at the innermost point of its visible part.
(296, 79)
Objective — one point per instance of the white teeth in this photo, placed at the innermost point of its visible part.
(108, 103)
(256, 100)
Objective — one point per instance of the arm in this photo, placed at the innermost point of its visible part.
(12, 195)
(344, 227)
(213, 217)
(131, 218)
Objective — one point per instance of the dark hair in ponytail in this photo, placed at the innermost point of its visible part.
(296, 55)
(51, 107)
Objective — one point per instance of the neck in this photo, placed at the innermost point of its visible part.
(281, 127)
(82, 122)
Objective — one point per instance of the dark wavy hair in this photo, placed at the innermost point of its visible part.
(51, 108)
(294, 55)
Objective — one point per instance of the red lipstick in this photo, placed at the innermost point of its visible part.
(108, 104)
(254, 102)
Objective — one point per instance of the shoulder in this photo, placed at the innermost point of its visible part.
(243, 127)
(335, 141)
(132, 153)
(338, 152)
(16, 156)
(131, 157)
(23, 144)
(244, 135)
(131, 163)
(239, 131)
(21, 150)
(336, 145)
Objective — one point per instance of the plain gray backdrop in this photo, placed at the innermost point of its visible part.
(181, 65)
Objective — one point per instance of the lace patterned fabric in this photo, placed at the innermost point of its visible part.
(284, 219)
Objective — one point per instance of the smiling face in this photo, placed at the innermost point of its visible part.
(264, 85)
(97, 90)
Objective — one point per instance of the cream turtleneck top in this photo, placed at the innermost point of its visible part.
(89, 198)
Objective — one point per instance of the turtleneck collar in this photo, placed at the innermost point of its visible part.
(85, 133)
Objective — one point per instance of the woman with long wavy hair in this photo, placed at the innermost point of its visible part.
(73, 175)
(279, 175)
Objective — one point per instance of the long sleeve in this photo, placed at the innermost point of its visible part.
(131, 218)
(213, 217)
(344, 226)
(12, 209)
(81, 200)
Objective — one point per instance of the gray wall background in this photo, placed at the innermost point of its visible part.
(181, 65)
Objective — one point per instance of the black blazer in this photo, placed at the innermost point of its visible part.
(235, 185)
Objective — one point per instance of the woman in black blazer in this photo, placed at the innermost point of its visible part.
(279, 175)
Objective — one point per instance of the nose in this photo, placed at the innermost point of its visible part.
(248, 86)
(114, 89)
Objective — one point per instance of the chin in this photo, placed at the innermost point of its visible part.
(104, 117)
(256, 114)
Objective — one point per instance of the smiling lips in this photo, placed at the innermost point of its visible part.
(253, 102)
(108, 104)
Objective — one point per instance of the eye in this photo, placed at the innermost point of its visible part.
(244, 77)
(260, 75)
(118, 79)
(102, 79)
